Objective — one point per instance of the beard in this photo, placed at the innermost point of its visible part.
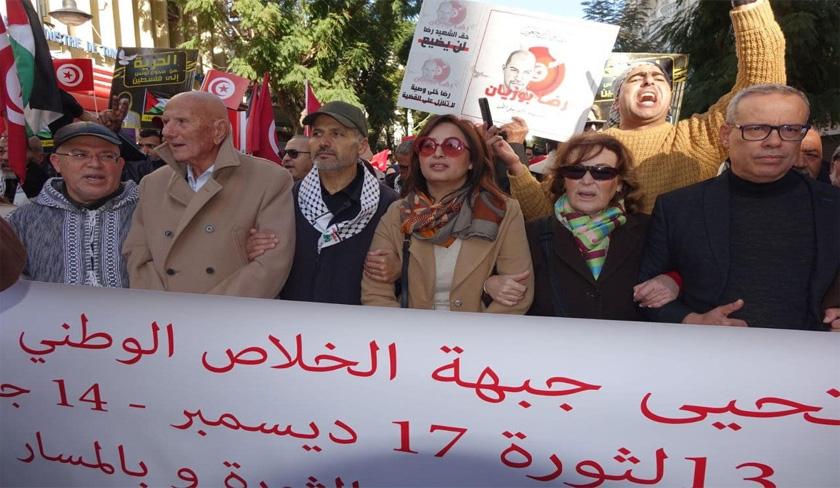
(333, 165)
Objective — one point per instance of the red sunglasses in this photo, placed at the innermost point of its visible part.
(451, 146)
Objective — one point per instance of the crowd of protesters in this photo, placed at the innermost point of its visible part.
(728, 217)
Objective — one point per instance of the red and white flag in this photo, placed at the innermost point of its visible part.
(11, 106)
(380, 160)
(227, 86)
(311, 104)
(74, 75)
(262, 133)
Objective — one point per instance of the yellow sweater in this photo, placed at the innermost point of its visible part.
(668, 157)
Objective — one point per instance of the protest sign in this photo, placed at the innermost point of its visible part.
(675, 66)
(162, 72)
(542, 68)
(105, 387)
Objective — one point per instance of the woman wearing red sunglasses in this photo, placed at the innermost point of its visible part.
(587, 254)
(453, 229)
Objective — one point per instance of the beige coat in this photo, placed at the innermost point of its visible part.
(477, 261)
(188, 241)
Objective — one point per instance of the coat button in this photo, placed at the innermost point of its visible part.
(210, 270)
(167, 233)
(458, 302)
(170, 271)
(209, 228)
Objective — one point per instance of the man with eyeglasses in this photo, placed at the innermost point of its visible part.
(758, 245)
(74, 229)
(297, 157)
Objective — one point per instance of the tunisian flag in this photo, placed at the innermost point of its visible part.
(11, 106)
(227, 86)
(41, 97)
(74, 74)
(262, 133)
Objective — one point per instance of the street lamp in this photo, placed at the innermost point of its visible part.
(69, 14)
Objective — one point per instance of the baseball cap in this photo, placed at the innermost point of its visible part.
(346, 115)
(76, 129)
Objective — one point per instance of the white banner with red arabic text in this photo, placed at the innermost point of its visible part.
(105, 387)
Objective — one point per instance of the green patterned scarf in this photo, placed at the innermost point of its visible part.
(591, 232)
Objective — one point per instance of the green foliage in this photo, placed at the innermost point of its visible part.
(812, 54)
(629, 15)
(351, 50)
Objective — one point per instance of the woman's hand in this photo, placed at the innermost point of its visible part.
(258, 243)
(656, 292)
(507, 290)
(383, 266)
(501, 148)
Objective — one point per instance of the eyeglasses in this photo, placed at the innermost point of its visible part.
(292, 153)
(787, 132)
(578, 171)
(81, 157)
(451, 146)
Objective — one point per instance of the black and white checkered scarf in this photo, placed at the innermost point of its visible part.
(315, 211)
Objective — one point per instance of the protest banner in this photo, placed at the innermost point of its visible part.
(542, 68)
(109, 387)
(675, 66)
(162, 72)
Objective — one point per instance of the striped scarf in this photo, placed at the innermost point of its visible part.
(455, 216)
(591, 232)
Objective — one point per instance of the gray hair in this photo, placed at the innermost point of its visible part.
(404, 147)
(764, 89)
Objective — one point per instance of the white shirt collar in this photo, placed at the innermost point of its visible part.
(197, 183)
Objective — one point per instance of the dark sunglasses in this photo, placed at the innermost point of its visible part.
(451, 146)
(292, 153)
(576, 172)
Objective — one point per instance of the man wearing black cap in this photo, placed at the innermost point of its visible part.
(74, 229)
(337, 207)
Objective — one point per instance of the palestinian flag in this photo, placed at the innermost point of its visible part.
(154, 105)
(41, 98)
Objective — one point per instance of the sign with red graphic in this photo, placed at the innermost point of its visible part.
(74, 74)
(227, 86)
(526, 64)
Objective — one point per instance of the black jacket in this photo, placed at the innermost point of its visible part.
(580, 295)
(690, 233)
(334, 276)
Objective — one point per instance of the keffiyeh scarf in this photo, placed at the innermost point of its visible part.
(315, 211)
